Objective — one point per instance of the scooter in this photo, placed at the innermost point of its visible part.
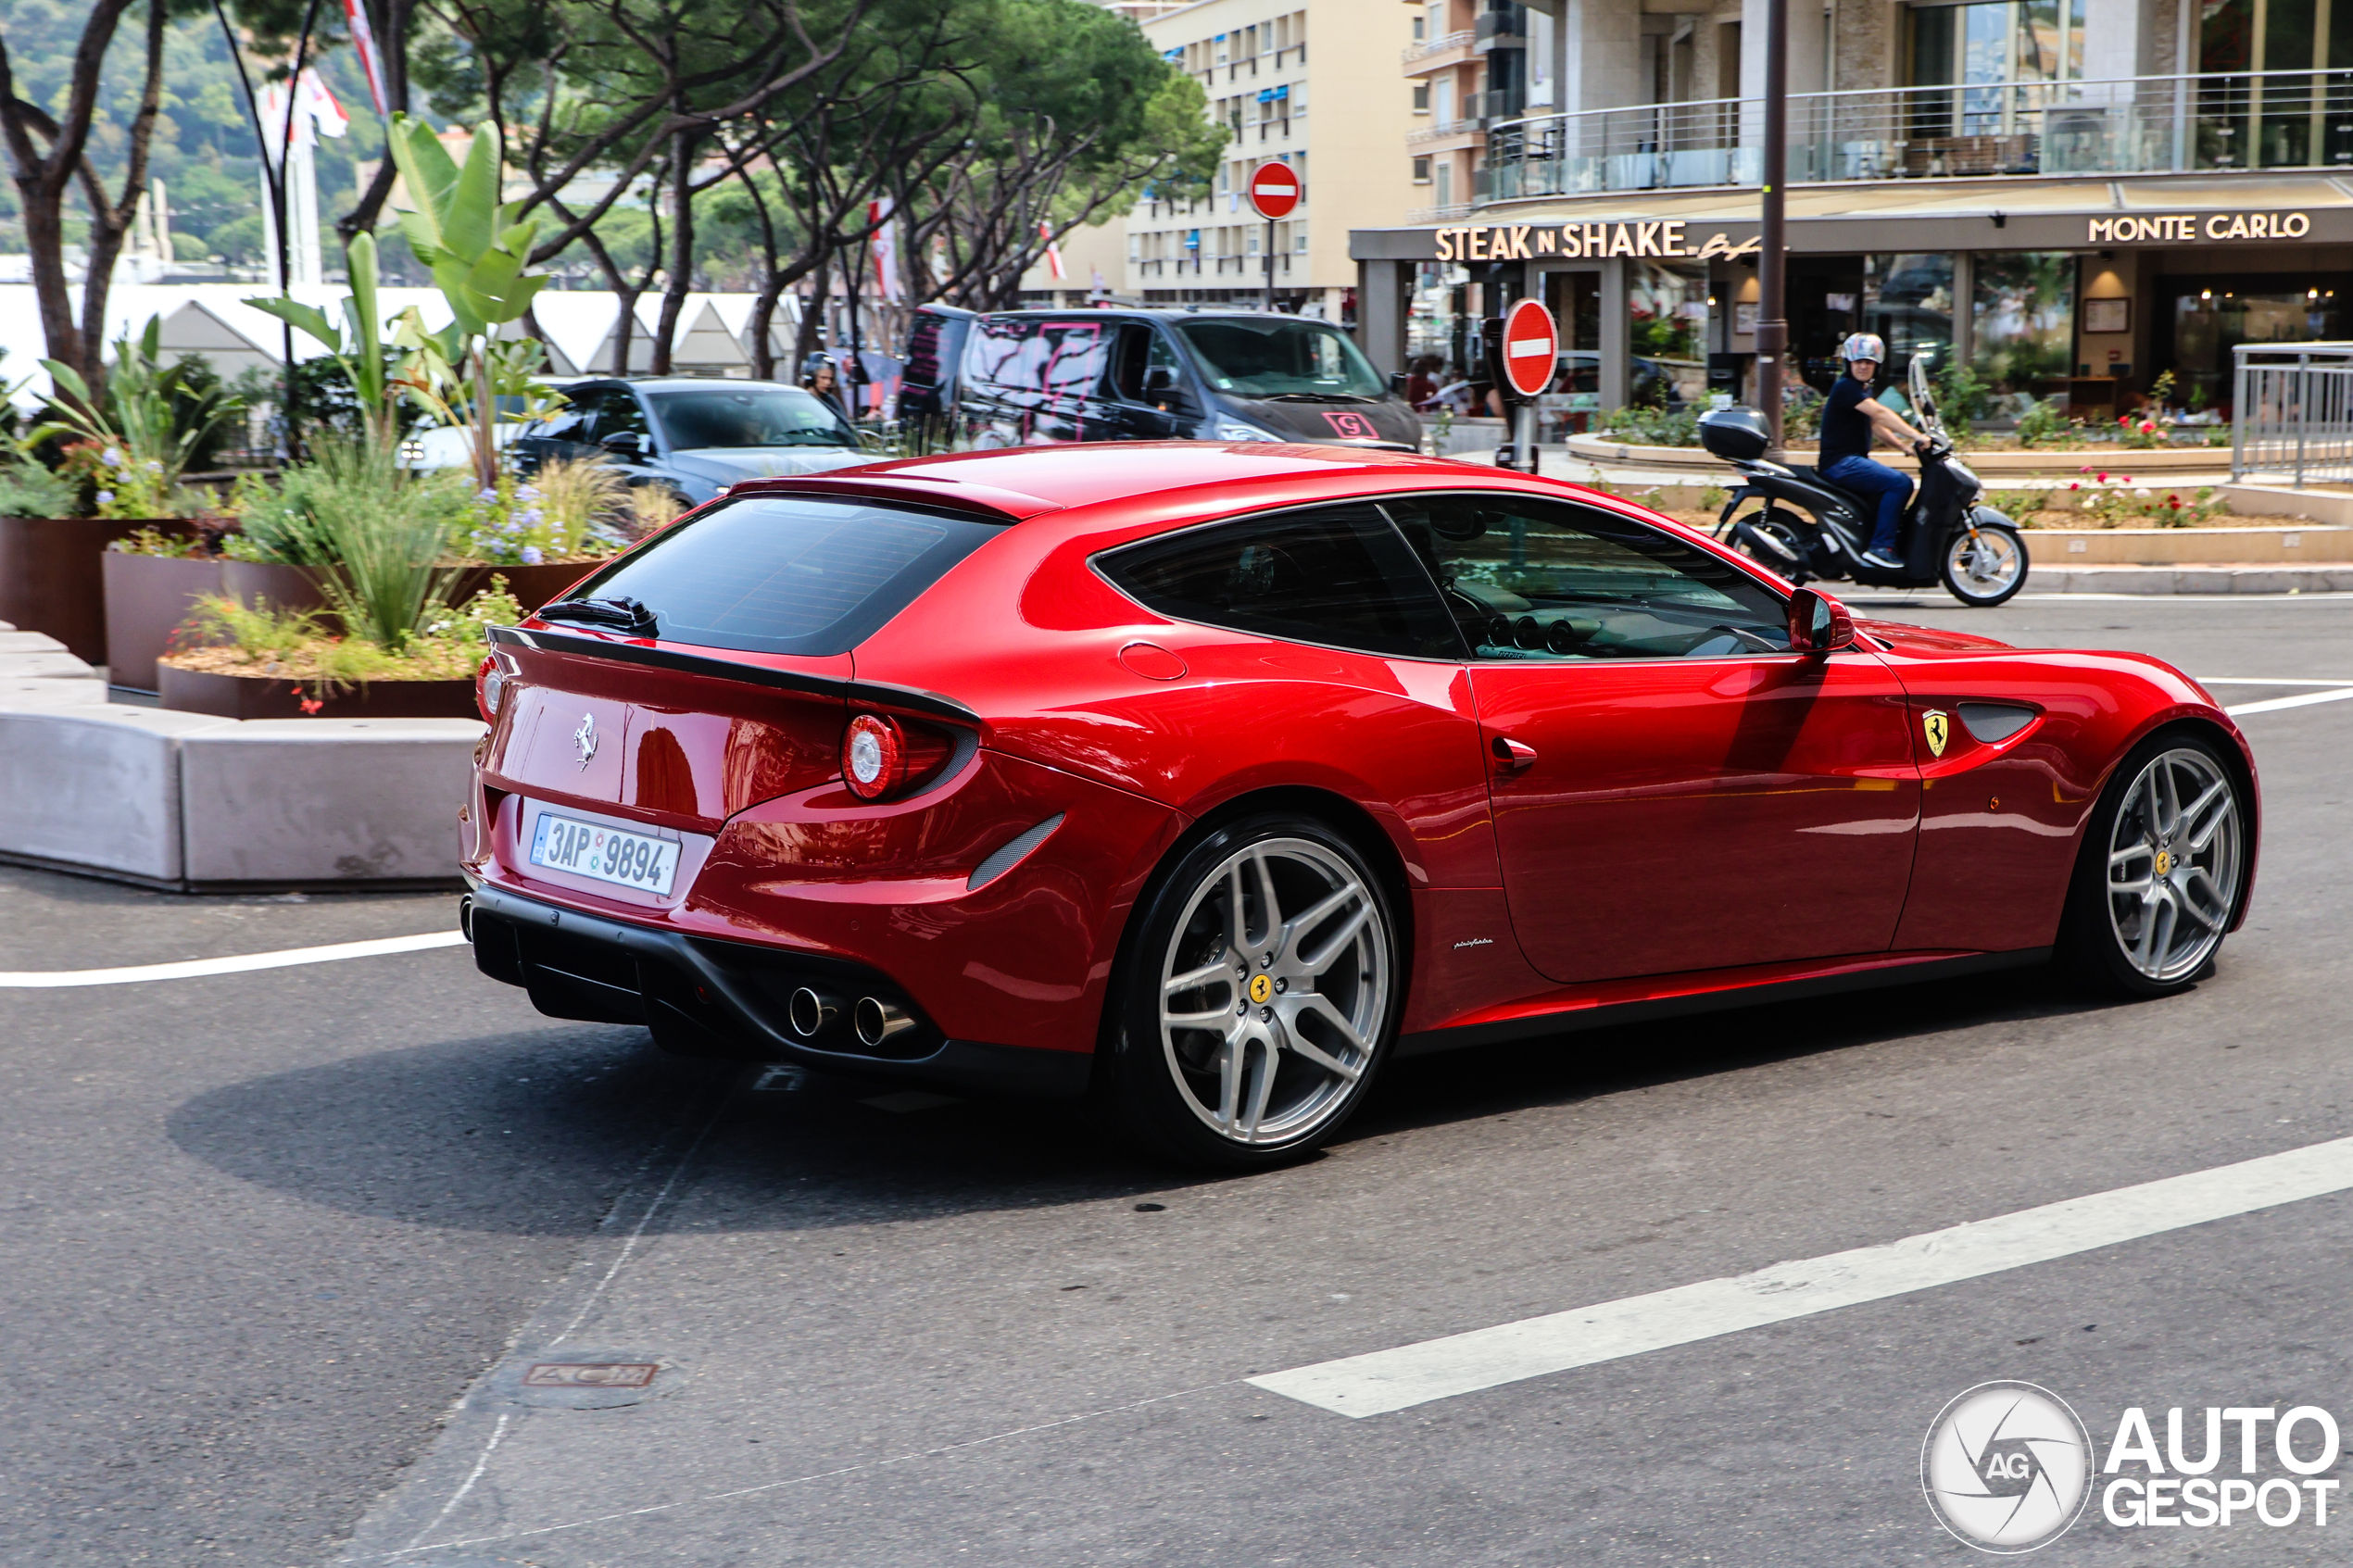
(1803, 526)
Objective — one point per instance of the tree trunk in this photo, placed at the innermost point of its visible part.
(392, 51)
(763, 326)
(110, 224)
(42, 180)
(680, 268)
(485, 421)
(812, 318)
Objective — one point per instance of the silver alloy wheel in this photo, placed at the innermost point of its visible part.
(1984, 565)
(1268, 1022)
(2173, 864)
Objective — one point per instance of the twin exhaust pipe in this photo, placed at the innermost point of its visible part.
(876, 1023)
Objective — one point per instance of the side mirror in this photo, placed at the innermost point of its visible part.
(1159, 381)
(625, 444)
(1818, 623)
(1397, 382)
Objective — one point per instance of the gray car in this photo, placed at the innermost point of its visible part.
(694, 434)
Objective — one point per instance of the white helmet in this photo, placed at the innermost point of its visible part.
(1863, 345)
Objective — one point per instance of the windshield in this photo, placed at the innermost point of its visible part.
(774, 416)
(1270, 357)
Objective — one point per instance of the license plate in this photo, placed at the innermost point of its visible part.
(591, 849)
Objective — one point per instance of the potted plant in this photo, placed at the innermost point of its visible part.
(247, 661)
(125, 450)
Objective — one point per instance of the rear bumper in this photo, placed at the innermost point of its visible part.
(704, 997)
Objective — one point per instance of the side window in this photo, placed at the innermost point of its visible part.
(1068, 359)
(1537, 579)
(1335, 575)
(617, 411)
(576, 420)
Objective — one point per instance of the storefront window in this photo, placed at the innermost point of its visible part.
(2024, 319)
(2211, 316)
(1907, 300)
(1668, 311)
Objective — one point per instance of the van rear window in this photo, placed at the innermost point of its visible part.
(788, 573)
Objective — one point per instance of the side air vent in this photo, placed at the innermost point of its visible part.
(1993, 722)
(1005, 856)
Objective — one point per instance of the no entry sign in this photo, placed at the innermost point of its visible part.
(1274, 190)
(1531, 345)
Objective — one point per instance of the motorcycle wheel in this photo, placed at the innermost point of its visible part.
(1986, 569)
(1772, 543)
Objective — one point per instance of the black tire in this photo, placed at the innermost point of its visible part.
(1764, 538)
(1975, 595)
(2096, 947)
(1169, 1086)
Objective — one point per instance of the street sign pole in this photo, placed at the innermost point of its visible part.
(1529, 356)
(1772, 311)
(1274, 193)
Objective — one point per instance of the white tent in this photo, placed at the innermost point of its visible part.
(212, 320)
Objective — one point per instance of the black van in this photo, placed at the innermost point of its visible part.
(1030, 376)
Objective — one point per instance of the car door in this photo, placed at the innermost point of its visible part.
(1673, 788)
(1149, 402)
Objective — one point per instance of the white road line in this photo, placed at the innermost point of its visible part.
(191, 968)
(1463, 1364)
(2304, 699)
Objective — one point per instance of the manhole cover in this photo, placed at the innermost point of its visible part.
(597, 1378)
(590, 1374)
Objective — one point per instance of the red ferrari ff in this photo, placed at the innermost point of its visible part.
(1204, 778)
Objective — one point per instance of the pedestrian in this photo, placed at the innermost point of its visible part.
(1851, 416)
(818, 375)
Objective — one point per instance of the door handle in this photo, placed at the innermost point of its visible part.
(1511, 757)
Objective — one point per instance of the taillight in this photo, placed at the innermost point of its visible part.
(490, 684)
(874, 756)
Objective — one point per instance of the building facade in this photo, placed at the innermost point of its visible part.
(1312, 83)
(2070, 198)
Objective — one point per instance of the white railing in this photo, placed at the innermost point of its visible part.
(2292, 412)
(2123, 125)
(1441, 130)
(1462, 40)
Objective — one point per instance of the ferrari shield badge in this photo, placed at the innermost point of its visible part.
(1939, 730)
(1262, 988)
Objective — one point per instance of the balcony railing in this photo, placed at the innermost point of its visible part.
(2126, 125)
(1439, 130)
(1462, 40)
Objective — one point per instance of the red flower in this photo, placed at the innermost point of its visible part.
(310, 705)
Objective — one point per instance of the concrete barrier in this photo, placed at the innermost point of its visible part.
(94, 788)
(325, 801)
(191, 802)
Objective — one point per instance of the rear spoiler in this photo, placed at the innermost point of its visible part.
(983, 501)
(875, 694)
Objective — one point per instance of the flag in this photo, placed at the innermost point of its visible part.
(319, 105)
(1054, 251)
(315, 111)
(363, 39)
(885, 249)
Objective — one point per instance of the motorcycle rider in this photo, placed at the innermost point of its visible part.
(1851, 416)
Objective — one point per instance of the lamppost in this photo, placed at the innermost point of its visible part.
(1772, 312)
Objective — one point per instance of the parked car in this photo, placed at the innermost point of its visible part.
(935, 351)
(1033, 376)
(1210, 777)
(694, 434)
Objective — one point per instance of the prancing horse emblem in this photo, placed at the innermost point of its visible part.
(1939, 730)
(585, 738)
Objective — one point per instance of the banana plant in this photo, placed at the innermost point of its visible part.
(358, 346)
(476, 248)
(150, 420)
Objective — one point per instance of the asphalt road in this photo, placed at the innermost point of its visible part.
(278, 1246)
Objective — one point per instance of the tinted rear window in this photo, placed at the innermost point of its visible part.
(790, 574)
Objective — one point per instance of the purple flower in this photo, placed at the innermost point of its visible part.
(113, 458)
(106, 497)
(531, 556)
(486, 495)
